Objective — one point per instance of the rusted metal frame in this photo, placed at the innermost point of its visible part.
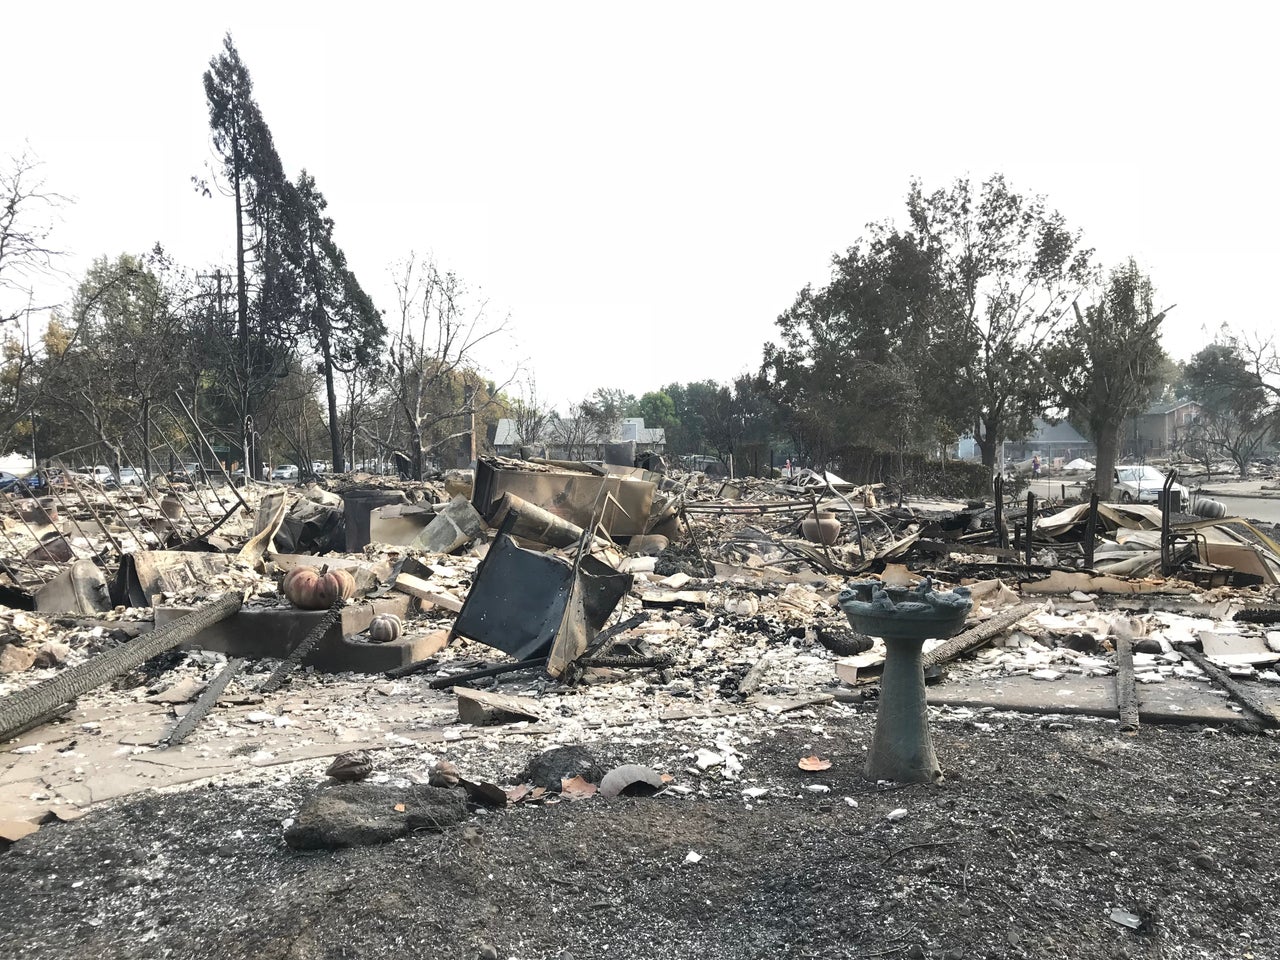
(194, 526)
(35, 568)
(173, 450)
(146, 483)
(119, 516)
(97, 519)
(205, 440)
(66, 472)
(1031, 523)
(21, 557)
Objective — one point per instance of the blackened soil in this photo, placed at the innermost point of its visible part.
(1037, 834)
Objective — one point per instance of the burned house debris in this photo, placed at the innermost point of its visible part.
(535, 607)
(586, 577)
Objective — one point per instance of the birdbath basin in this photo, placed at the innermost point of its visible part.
(904, 617)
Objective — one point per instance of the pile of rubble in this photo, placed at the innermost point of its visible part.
(554, 600)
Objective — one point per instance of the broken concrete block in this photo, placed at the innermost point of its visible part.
(454, 526)
(52, 653)
(478, 707)
(361, 814)
(15, 659)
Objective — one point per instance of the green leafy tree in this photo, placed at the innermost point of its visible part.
(1227, 378)
(1110, 363)
(268, 284)
(340, 318)
(658, 409)
(117, 359)
(860, 362)
(695, 406)
(1005, 269)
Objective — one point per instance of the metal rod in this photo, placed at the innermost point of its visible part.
(205, 440)
(459, 679)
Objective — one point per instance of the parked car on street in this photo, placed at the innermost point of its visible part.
(103, 476)
(8, 481)
(129, 477)
(286, 471)
(1142, 484)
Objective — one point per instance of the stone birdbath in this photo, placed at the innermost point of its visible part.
(904, 617)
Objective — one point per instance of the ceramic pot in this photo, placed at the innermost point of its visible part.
(824, 528)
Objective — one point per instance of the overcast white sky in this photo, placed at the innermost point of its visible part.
(645, 188)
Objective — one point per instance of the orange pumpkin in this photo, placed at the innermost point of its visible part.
(312, 589)
(385, 627)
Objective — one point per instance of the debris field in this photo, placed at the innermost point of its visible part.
(549, 709)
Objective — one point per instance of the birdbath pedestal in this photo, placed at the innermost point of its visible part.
(904, 618)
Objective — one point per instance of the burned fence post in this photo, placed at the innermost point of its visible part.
(1001, 530)
(204, 703)
(1031, 509)
(1126, 688)
(1091, 531)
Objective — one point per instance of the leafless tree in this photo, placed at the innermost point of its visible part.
(532, 417)
(27, 212)
(433, 357)
(573, 433)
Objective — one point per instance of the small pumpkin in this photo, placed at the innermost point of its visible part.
(312, 589)
(385, 627)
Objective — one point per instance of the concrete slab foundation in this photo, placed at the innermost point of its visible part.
(1173, 701)
(274, 631)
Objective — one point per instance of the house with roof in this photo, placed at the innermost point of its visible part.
(1160, 430)
(1051, 442)
(580, 439)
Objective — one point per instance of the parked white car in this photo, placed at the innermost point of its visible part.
(1142, 484)
(286, 471)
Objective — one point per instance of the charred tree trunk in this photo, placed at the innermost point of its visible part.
(331, 394)
(1108, 450)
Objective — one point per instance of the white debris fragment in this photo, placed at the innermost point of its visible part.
(692, 857)
(817, 788)
(895, 815)
(259, 716)
(705, 759)
(1046, 674)
(29, 748)
(1125, 918)
(754, 793)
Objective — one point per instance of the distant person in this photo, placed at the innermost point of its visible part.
(1035, 467)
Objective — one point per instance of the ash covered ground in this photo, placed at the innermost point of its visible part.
(1043, 828)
